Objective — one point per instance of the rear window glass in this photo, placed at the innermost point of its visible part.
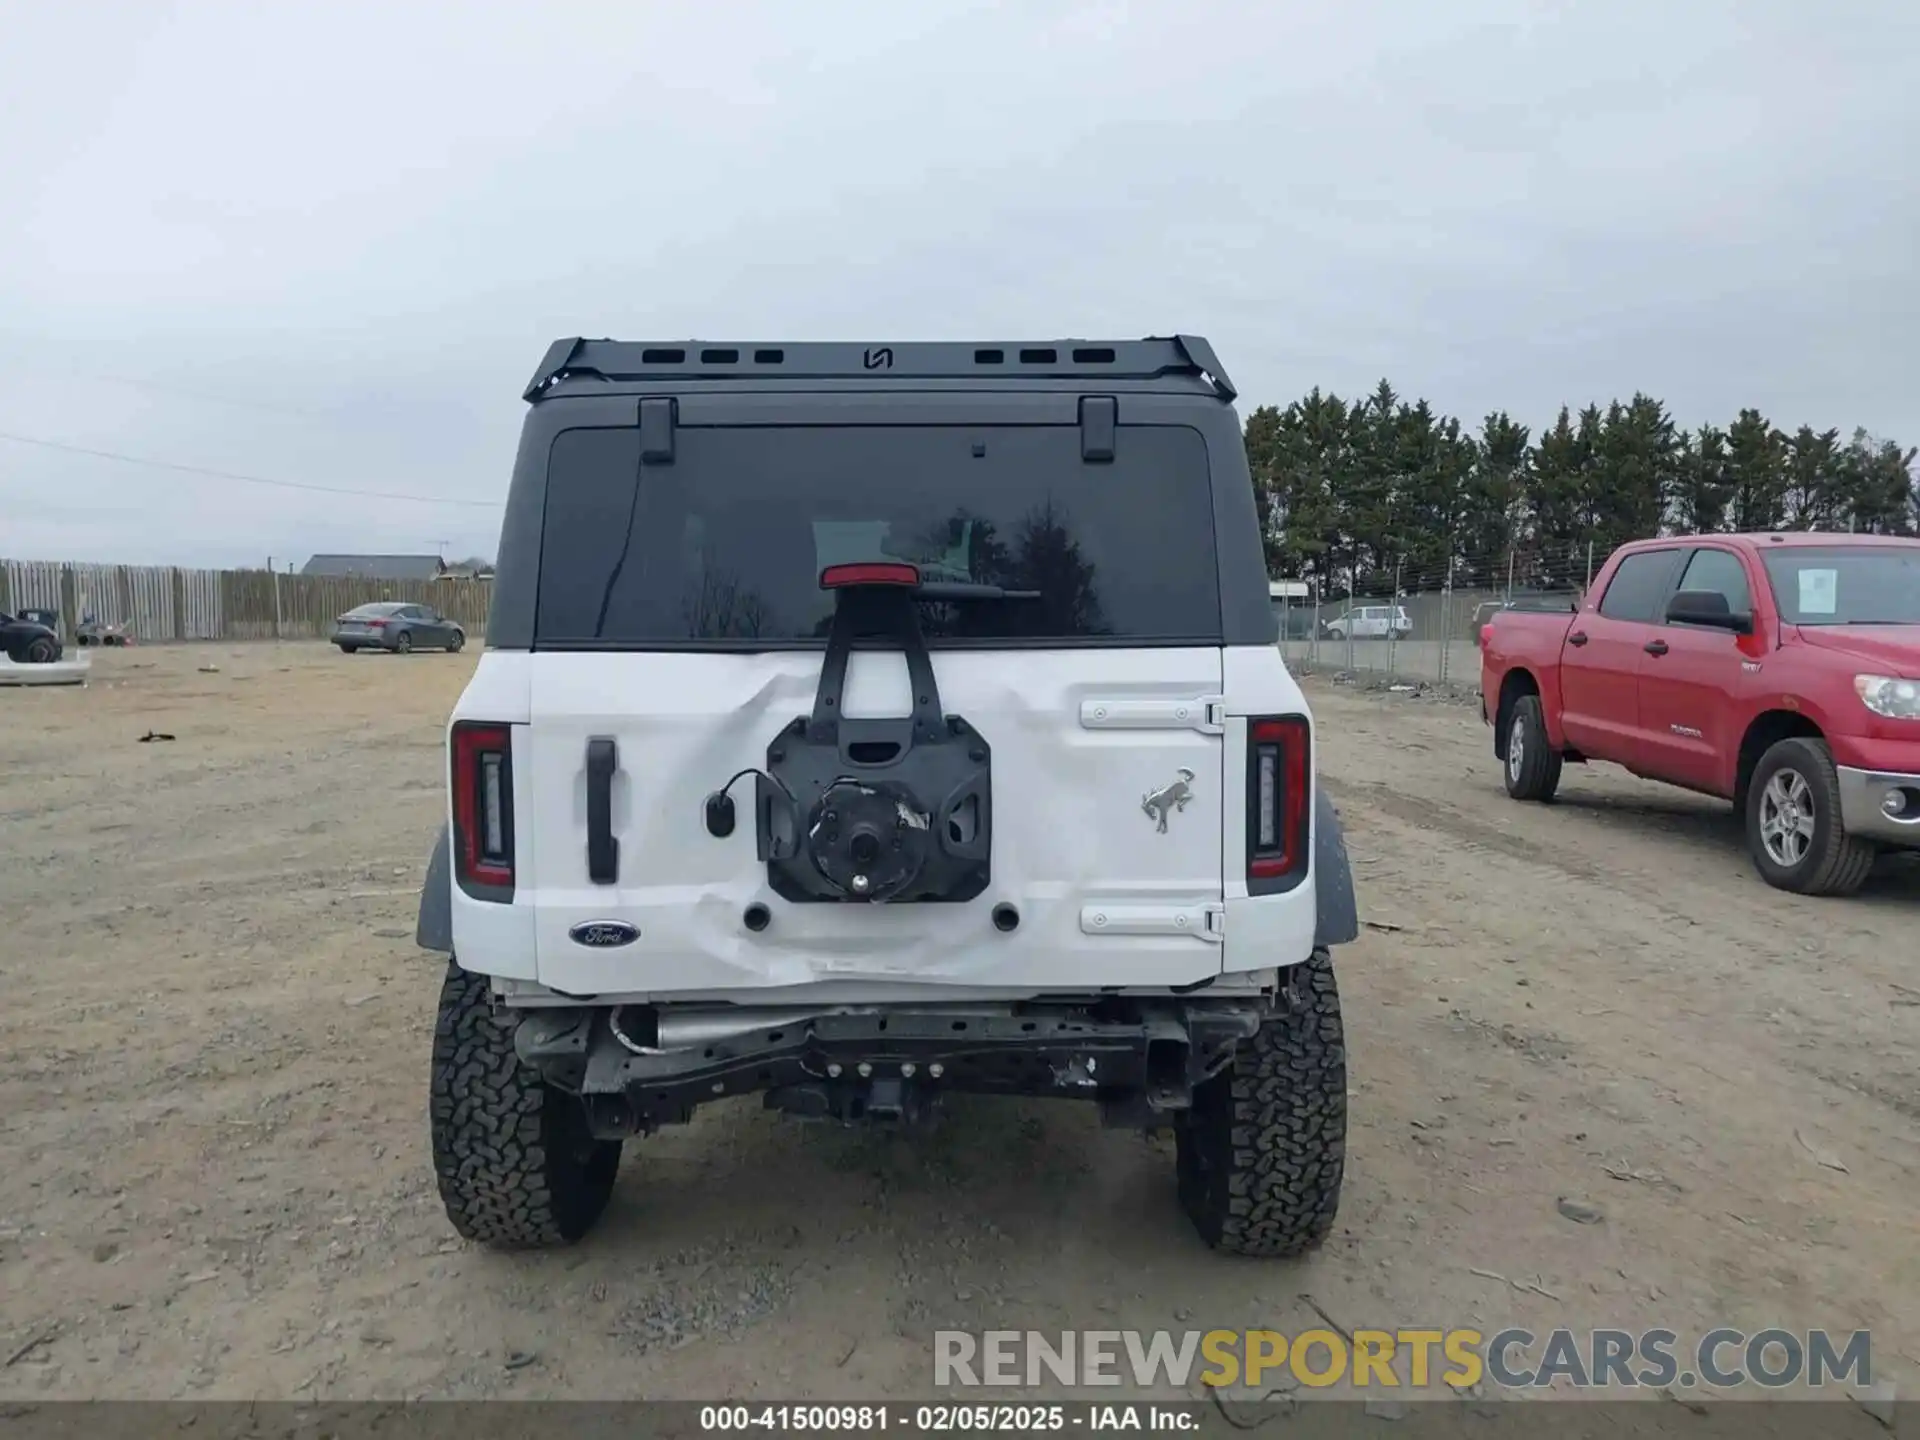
(365, 611)
(725, 545)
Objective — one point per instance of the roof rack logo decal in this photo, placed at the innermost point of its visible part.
(879, 357)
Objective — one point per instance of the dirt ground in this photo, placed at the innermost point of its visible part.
(213, 1169)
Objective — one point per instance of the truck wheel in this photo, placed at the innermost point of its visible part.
(516, 1164)
(1793, 823)
(42, 651)
(1533, 765)
(1262, 1151)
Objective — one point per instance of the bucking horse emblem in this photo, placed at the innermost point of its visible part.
(1163, 802)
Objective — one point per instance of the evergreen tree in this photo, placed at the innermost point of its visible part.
(1373, 484)
(1756, 473)
(1498, 483)
(1429, 490)
(1353, 494)
(1326, 432)
(1299, 458)
(1636, 461)
(1701, 489)
(1559, 522)
(1458, 509)
(1877, 487)
(1274, 475)
(1816, 480)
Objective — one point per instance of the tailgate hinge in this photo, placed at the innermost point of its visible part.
(1207, 921)
(1205, 713)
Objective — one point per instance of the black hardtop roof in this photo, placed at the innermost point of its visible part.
(1185, 360)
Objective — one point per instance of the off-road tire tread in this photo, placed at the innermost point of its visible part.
(507, 1178)
(1285, 1129)
(1844, 861)
(1540, 764)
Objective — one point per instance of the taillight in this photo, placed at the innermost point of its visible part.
(1278, 784)
(483, 807)
(1486, 634)
(376, 624)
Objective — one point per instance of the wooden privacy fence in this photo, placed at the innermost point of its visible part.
(164, 602)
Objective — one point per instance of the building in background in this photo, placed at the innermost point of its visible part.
(395, 567)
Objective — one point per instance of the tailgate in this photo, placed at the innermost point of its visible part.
(1107, 780)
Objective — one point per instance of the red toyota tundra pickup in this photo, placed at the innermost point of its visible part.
(1781, 672)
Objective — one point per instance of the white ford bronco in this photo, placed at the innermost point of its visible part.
(858, 724)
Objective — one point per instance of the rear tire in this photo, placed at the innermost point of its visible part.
(403, 643)
(516, 1164)
(1533, 765)
(349, 649)
(42, 651)
(1262, 1152)
(1794, 831)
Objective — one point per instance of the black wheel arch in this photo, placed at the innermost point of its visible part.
(1516, 683)
(1764, 731)
(1336, 910)
(434, 928)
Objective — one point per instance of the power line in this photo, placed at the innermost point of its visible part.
(39, 369)
(245, 479)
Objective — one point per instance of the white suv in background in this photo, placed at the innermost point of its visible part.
(1371, 622)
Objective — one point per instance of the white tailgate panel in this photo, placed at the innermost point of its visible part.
(1071, 839)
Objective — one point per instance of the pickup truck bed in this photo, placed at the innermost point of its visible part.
(1779, 672)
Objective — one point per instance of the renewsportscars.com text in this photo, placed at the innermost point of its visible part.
(1414, 1359)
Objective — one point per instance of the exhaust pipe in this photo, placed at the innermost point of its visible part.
(646, 1030)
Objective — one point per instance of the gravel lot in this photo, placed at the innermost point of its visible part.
(1457, 661)
(213, 1057)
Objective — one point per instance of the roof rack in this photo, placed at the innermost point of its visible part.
(1148, 359)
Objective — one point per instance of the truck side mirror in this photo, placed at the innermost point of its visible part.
(1710, 608)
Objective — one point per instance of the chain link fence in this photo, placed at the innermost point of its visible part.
(1422, 626)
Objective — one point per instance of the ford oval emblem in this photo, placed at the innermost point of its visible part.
(604, 934)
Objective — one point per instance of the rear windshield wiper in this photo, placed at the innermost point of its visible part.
(967, 590)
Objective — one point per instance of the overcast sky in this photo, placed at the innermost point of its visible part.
(328, 243)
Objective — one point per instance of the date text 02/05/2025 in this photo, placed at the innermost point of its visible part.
(941, 1418)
